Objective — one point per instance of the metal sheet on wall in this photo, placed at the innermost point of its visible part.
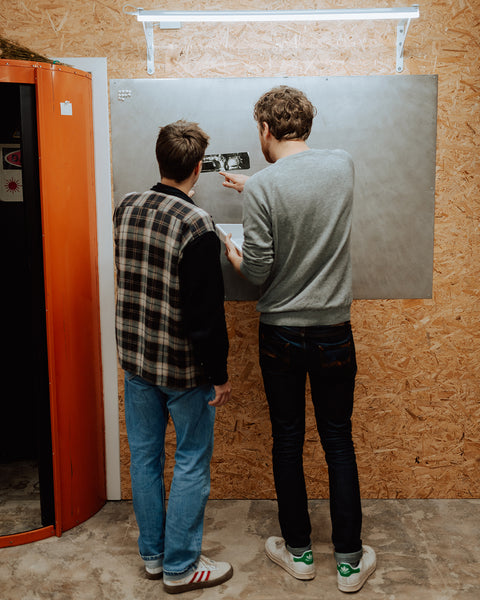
(387, 123)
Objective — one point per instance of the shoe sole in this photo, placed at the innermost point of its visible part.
(280, 563)
(359, 585)
(187, 587)
(153, 575)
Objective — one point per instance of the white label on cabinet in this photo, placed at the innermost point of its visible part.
(66, 108)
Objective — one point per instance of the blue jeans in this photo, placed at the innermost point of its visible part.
(170, 537)
(327, 355)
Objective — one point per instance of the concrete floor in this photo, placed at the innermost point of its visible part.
(19, 497)
(426, 549)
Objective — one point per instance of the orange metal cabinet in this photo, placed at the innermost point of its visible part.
(67, 192)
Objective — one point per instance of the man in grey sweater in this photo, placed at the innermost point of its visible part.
(297, 218)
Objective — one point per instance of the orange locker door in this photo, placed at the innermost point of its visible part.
(67, 188)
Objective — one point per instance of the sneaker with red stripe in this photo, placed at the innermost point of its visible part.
(207, 574)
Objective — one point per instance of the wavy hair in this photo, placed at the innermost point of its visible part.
(287, 111)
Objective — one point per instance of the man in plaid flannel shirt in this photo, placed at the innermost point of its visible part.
(173, 346)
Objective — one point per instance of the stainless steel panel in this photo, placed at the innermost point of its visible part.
(387, 123)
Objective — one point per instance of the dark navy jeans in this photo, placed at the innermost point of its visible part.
(327, 355)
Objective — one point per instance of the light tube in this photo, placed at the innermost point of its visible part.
(233, 16)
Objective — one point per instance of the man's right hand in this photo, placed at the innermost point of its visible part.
(222, 394)
(233, 254)
(235, 182)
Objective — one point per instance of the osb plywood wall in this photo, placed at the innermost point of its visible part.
(416, 421)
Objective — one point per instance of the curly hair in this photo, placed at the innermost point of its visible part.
(287, 111)
(180, 147)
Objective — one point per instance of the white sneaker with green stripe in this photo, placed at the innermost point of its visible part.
(351, 579)
(301, 567)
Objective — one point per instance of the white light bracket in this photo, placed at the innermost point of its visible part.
(174, 19)
(148, 29)
(402, 28)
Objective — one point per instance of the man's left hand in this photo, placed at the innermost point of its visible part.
(222, 394)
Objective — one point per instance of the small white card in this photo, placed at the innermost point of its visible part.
(66, 108)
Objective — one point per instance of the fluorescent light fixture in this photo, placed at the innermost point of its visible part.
(174, 19)
(236, 16)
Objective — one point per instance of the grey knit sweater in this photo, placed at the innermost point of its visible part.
(297, 217)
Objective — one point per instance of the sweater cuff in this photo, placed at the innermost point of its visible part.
(220, 378)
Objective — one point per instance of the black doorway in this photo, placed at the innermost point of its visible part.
(26, 473)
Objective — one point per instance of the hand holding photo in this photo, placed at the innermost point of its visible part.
(235, 229)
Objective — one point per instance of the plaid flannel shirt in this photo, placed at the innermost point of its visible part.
(152, 231)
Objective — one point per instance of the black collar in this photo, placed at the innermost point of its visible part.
(169, 190)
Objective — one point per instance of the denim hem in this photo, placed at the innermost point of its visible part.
(173, 576)
(348, 557)
(298, 551)
(153, 561)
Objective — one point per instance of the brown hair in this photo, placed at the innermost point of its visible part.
(287, 111)
(180, 147)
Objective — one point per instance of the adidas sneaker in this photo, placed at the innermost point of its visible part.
(207, 574)
(351, 579)
(301, 567)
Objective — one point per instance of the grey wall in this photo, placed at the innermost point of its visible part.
(387, 123)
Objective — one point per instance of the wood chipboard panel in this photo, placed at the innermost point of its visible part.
(417, 415)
